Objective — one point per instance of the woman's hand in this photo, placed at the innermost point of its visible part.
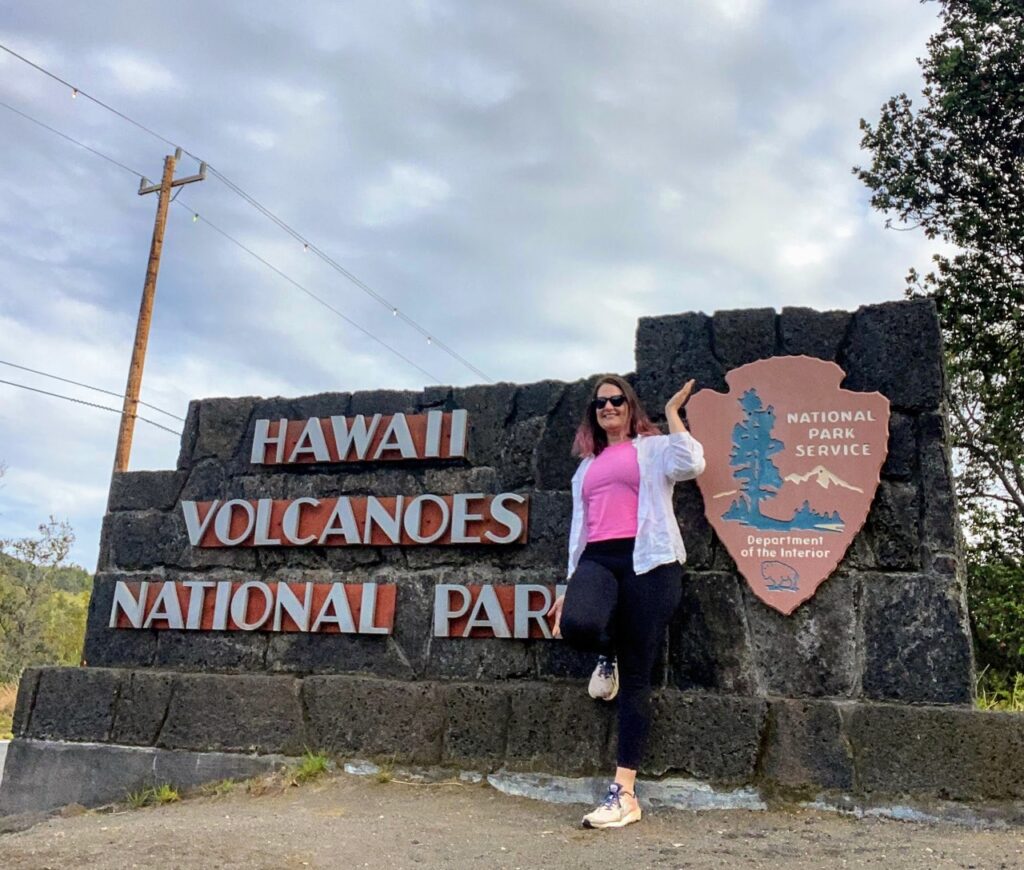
(556, 611)
(675, 405)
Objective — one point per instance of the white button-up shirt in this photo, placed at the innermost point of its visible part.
(664, 460)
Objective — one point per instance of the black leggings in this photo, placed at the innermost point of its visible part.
(610, 610)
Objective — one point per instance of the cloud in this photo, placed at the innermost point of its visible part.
(407, 192)
(135, 74)
(524, 180)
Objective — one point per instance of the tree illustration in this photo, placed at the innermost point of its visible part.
(752, 449)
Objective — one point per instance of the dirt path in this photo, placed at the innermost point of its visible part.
(349, 821)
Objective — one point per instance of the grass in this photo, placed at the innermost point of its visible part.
(313, 766)
(8, 694)
(218, 789)
(998, 691)
(152, 796)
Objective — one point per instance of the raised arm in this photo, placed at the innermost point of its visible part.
(683, 458)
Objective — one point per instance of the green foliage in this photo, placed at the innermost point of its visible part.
(152, 796)
(955, 169)
(995, 595)
(998, 691)
(43, 601)
(218, 789)
(313, 766)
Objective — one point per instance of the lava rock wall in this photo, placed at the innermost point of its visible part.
(890, 624)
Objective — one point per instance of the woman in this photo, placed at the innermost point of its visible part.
(625, 560)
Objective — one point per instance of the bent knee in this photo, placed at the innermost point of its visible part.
(583, 634)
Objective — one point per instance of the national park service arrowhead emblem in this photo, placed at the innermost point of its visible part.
(793, 463)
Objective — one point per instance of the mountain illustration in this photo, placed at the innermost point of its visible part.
(823, 477)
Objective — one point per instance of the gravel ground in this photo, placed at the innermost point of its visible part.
(358, 822)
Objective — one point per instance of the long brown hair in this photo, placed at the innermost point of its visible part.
(591, 439)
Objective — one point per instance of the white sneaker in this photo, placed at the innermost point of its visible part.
(604, 682)
(611, 813)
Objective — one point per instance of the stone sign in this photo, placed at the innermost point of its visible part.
(271, 594)
(793, 463)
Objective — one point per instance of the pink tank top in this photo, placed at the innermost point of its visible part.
(610, 489)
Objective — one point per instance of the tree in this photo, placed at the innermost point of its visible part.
(752, 451)
(43, 601)
(955, 169)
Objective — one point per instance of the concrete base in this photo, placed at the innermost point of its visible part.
(43, 775)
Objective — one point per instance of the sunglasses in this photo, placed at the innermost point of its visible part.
(617, 401)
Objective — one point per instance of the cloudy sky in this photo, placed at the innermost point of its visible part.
(523, 179)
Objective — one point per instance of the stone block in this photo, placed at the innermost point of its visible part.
(437, 396)
(743, 336)
(237, 713)
(490, 408)
(189, 434)
(337, 654)
(141, 707)
(557, 727)
(917, 642)
(457, 658)
(554, 461)
(206, 481)
(145, 490)
(669, 351)
(891, 529)
(538, 399)
(222, 427)
(319, 405)
(137, 540)
(113, 647)
(708, 643)
(385, 402)
(901, 457)
(812, 652)
(698, 537)
(938, 514)
(74, 704)
(476, 724)
(558, 660)
(518, 454)
(896, 349)
(806, 332)
(360, 716)
(28, 685)
(806, 747)
(944, 752)
(413, 618)
(548, 533)
(211, 650)
(714, 737)
(459, 478)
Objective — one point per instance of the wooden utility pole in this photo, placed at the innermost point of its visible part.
(131, 393)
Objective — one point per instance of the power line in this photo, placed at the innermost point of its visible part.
(233, 240)
(71, 139)
(90, 404)
(198, 217)
(334, 264)
(87, 386)
(78, 92)
(266, 212)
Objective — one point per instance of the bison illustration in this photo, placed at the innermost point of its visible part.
(779, 576)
